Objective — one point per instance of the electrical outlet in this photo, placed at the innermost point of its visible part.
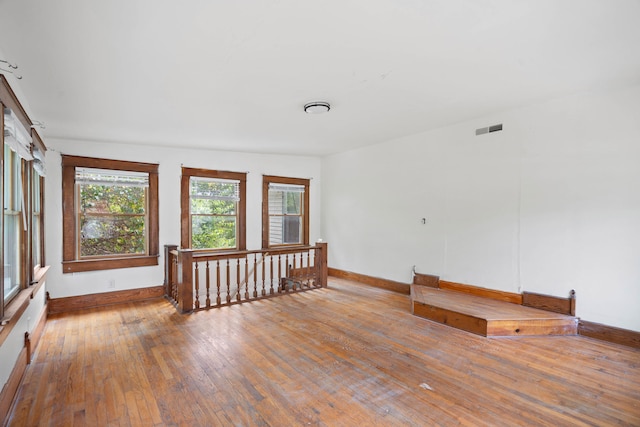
(111, 284)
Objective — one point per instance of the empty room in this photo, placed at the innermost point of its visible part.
(342, 213)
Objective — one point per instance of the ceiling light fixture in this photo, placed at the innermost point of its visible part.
(317, 107)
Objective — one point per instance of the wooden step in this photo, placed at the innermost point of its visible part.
(485, 316)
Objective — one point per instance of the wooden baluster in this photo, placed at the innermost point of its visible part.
(197, 295)
(279, 273)
(308, 274)
(238, 296)
(271, 275)
(208, 285)
(287, 271)
(228, 282)
(246, 277)
(218, 301)
(255, 277)
(264, 292)
(174, 285)
(293, 273)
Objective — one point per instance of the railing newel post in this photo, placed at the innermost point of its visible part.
(185, 282)
(321, 263)
(168, 270)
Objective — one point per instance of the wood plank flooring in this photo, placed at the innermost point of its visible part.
(486, 316)
(347, 355)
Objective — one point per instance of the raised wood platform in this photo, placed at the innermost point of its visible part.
(486, 316)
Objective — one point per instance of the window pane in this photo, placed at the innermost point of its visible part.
(36, 245)
(213, 232)
(293, 203)
(112, 235)
(285, 230)
(214, 188)
(112, 199)
(285, 202)
(213, 207)
(12, 179)
(11, 254)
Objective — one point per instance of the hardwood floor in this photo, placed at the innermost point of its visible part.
(340, 356)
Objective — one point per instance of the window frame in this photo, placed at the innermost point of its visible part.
(16, 304)
(20, 202)
(271, 179)
(71, 262)
(185, 207)
(37, 236)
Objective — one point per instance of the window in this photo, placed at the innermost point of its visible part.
(37, 204)
(213, 209)
(110, 214)
(14, 223)
(21, 213)
(285, 211)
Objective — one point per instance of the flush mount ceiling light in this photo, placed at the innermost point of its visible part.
(317, 107)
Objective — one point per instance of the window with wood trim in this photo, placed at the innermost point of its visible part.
(14, 224)
(38, 172)
(285, 211)
(22, 205)
(110, 214)
(213, 209)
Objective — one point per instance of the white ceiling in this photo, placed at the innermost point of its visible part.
(235, 75)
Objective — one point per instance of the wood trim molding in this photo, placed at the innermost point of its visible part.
(403, 288)
(9, 99)
(80, 302)
(426, 280)
(482, 292)
(11, 387)
(551, 303)
(185, 216)
(71, 263)
(609, 333)
(268, 179)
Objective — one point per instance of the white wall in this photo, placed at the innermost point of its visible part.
(14, 343)
(550, 204)
(170, 161)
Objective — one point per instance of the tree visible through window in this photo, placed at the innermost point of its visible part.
(213, 209)
(113, 212)
(110, 214)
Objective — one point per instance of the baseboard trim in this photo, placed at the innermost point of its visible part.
(609, 333)
(551, 303)
(426, 280)
(80, 302)
(11, 387)
(482, 292)
(403, 288)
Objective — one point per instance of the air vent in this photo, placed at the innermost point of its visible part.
(489, 129)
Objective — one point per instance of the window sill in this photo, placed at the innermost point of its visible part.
(108, 264)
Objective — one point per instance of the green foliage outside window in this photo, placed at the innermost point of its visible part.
(112, 220)
(213, 214)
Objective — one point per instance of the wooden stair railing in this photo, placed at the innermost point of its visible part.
(202, 280)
